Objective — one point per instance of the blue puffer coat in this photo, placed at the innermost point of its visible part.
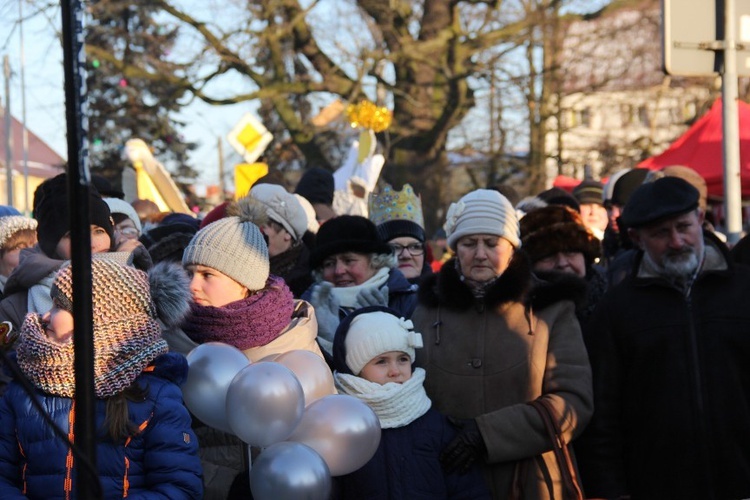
(160, 462)
(406, 465)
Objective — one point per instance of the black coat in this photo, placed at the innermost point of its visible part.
(671, 387)
(406, 465)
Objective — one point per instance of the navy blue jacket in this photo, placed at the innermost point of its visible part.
(406, 465)
(160, 462)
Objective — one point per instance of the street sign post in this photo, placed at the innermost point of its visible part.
(706, 38)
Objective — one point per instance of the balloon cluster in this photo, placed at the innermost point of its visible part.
(367, 115)
(285, 404)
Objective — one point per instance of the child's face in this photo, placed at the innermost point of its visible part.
(391, 366)
(209, 287)
(58, 325)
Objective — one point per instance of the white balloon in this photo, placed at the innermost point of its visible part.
(212, 367)
(342, 429)
(290, 471)
(311, 371)
(264, 403)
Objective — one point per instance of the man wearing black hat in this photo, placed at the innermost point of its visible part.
(669, 348)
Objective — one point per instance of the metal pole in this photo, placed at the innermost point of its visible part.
(74, 64)
(8, 134)
(23, 114)
(730, 118)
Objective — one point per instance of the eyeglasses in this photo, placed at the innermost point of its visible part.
(414, 249)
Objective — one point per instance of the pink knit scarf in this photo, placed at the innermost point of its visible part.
(251, 322)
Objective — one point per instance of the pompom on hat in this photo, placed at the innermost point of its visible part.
(483, 211)
(234, 246)
(370, 332)
(557, 228)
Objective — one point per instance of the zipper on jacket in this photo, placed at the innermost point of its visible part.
(24, 488)
(68, 484)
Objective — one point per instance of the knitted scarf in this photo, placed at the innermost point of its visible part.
(251, 322)
(396, 405)
(123, 349)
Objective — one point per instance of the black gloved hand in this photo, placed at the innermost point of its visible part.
(466, 447)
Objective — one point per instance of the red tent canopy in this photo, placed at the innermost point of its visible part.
(700, 148)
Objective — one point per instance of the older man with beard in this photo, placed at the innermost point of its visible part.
(669, 348)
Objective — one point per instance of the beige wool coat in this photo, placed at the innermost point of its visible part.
(486, 358)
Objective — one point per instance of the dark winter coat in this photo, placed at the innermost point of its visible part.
(486, 358)
(160, 462)
(672, 386)
(406, 465)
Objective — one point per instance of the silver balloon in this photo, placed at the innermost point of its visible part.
(342, 429)
(264, 403)
(311, 371)
(289, 471)
(212, 367)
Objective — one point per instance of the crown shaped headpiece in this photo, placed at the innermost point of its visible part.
(389, 205)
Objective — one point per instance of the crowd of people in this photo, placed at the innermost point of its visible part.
(589, 344)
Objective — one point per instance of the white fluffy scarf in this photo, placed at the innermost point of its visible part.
(347, 296)
(396, 405)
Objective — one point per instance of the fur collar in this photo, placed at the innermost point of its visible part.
(551, 287)
(446, 289)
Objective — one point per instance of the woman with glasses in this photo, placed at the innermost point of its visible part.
(400, 223)
(353, 268)
(127, 222)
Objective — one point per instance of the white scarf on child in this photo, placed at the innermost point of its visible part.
(396, 405)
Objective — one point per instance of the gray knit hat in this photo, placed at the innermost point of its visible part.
(233, 246)
(11, 224)
(282, 207)
(484, 211)
(118, 206)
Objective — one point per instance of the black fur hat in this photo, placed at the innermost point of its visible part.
(346, 233)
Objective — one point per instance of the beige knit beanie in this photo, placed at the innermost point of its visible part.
(373, 333)
(484, 211)
(233, 246)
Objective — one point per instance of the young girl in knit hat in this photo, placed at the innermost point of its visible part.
(373, 353)
(144, 444)
(236, 301)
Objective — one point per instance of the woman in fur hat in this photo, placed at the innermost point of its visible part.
(144, 444)
(236, 301)
(354, 268)
(492, 345)
(563, 254)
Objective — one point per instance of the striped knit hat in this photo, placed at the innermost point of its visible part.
(127, 335)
